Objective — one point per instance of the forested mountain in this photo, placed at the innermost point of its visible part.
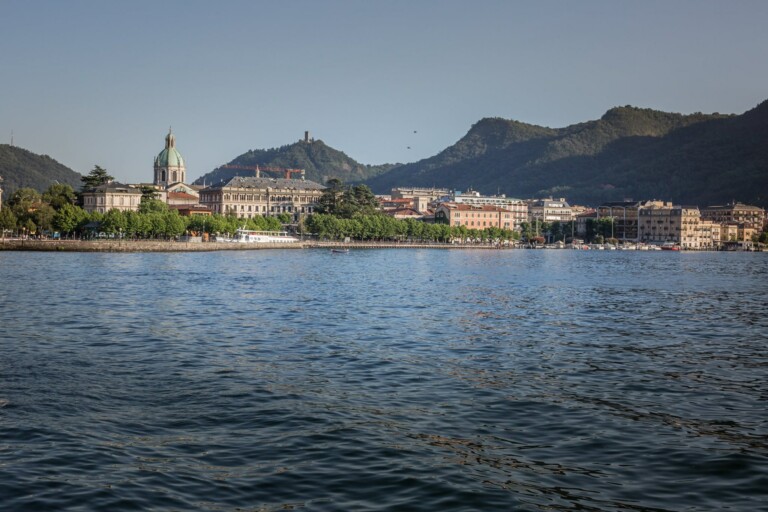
(320, 161)
(629, 152)
(21, 168)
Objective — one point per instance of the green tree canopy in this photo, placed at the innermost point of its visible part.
(346, 201)
(149, 205)
(59, 194)
(96, 177)
(7, 220)
(68, 218)
(24, 202)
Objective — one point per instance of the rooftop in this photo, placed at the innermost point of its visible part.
(262, 183)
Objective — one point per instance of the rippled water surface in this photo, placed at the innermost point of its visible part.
(384, 380)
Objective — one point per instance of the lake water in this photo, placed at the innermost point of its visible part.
(384, 380)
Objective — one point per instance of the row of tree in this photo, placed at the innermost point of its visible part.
(379, 227)
(27, 212)
(347, 211)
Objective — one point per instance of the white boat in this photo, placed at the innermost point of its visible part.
(245, 236)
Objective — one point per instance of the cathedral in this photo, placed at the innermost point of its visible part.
(169, 166)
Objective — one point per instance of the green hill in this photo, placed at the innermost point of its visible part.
(21, 168)
(320, 161)
(629, 152)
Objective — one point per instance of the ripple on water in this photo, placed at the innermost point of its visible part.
(388, 380)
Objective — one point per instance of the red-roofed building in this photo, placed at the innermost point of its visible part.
(404, 213)
(395, 204)
(176, 198)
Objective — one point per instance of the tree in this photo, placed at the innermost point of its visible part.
(148, 192)
(216, 224)
(96, 177)
(330, 201)
(24, 203)
(43, 216)
(357, 200)
(68, 218)
(197, 224)
(175, 224)
(59, 194)
(29, 226)
(114, 222)
(7, 220)
(150, 205)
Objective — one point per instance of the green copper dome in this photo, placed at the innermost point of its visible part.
(170, 156)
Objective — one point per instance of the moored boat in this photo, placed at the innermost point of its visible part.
(245, 236)
(670, 246)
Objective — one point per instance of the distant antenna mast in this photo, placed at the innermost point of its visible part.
(11, 138)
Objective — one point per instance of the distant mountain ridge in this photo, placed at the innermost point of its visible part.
(320, 161)
(20, 168)
(628, 152)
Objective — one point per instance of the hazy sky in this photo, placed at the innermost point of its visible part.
(100, 82)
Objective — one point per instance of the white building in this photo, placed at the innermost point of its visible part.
(549, 210)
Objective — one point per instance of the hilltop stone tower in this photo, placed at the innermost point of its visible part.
(169, 166)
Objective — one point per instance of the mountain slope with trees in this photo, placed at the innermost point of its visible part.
(628, 152)
(20, 168)
(320, 161)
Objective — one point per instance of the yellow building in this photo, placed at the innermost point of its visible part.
(665, 224)
(739, 213)
(710, 233)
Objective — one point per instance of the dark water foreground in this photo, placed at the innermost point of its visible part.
(384, 380)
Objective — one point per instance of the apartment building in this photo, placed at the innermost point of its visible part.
(740, 213)
(667, 223)
(517, 207)
(549, 210)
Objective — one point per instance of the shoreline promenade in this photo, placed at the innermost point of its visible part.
(172, 246)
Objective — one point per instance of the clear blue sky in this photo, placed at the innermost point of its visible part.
(99, 82)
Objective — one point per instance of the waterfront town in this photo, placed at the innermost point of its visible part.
(549, 222)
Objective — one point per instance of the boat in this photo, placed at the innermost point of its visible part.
(245, 236)
(670, 246)
(340, 251)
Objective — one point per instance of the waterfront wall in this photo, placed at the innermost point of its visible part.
(131, 246)
(172, 246)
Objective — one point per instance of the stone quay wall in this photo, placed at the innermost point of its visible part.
(173, 246)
